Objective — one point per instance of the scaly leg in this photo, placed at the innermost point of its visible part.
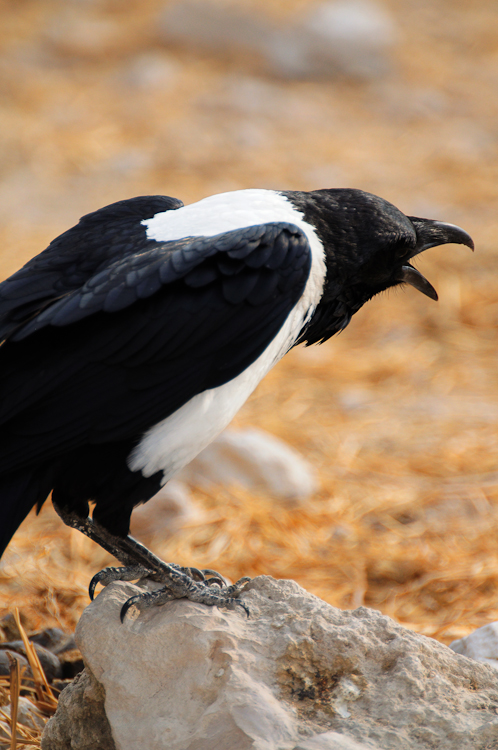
(140, 562)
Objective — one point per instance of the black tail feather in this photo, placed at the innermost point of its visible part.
(19, 492)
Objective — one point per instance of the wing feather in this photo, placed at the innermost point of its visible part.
(142, 336)
(100, 238)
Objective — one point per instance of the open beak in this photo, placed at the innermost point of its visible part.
(431, 233)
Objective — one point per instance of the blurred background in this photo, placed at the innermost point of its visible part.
(107, 99)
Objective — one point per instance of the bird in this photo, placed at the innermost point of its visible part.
(133, 339)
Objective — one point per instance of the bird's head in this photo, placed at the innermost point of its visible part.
(369, 244)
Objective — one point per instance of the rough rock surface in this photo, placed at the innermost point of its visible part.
(297, 674)
(80, 723)
(254, 459)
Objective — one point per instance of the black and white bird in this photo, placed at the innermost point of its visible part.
(134, 338)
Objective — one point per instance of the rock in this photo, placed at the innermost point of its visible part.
(481, 645)
(333, 741)
(8, 628)
(27, 713)
(215, 28)
(49, 661)
(164, 513)
(343, 37)
(80, 722)
(5, 663)
(350, 35)
(256, 460)
(297, 675)
(53, 639)
(151, 71)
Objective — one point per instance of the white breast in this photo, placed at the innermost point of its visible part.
(176, 440)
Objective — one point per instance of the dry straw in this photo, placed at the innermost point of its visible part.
(35, 688)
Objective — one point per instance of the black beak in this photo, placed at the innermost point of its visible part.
(431, 233)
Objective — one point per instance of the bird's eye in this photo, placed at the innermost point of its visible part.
(401, 250)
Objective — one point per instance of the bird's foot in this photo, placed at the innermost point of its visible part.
(135, 572)
(202, 586)
(189, 583)
(184, 586)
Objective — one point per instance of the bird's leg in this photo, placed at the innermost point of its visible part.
(127, 550)
(140, 562)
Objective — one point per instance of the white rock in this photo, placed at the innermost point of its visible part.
(481, 645)
(354, 22)
(164, 513)
(350, 37)
(189, 677)
(254, 459)
(333, 741)
(205, 25)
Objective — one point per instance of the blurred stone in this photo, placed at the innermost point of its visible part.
(164, 513)
(54, 639)
(214, 28)
(49, 661)
(189, 677)
(481, 645)
(73, 31)
(27, 713)
(5, 663)
(253, 459)
(151, 71)
(353, 34)
(9, 629)
(343, 37)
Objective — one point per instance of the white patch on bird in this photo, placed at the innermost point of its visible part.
(175, 441)
(223, 213)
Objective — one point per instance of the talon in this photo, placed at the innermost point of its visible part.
(244, 607)
(93, 586)
(236, 588)
(178, 582)
(126, 606)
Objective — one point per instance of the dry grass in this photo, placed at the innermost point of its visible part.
(399, 413)
(35, 689)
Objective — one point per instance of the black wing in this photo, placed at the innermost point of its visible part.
(143, 336)
(99, 238)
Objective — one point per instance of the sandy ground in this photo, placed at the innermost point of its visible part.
(398, 413)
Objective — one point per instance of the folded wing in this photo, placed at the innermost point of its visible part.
(104, 360)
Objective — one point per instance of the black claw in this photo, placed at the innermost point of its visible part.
(244, 607)
(126, 606)
(93, 586)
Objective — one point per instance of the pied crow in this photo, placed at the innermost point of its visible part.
(134, 338)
